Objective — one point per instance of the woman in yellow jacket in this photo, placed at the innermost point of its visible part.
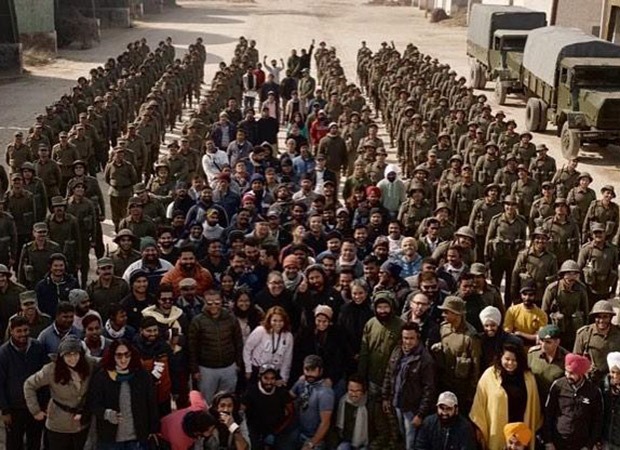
(506, 393)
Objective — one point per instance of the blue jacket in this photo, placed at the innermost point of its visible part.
(50, 293)
(15, 367)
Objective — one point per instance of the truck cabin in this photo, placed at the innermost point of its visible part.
(510, 40)
(598, 73)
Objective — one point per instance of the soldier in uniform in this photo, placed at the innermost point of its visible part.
(64, 230)
(505, 238)
(465, 240)
(580, 198)
(177, 163)
(64, 154)
(566, 302)
(525, 190)
(120, 176)
(20, 204)
(563, 232)
(483, 211)
(566, 178)
(17, 152)
(507, 176)
(34, 257)
(543, 206)
(151, 205)
(8, 237)
(543, 167)
(489, 294)
(85, 211)
(136, 144)
(449, 178)
(193, 158)
(37, 189)
(36, 139)
(598, 339)
(535, 264)
(414, 210)
(524, 150)
(463, 196)
(84, 147)
(49, 172)
(139, 224)
(107, 288)
(488, 165)
(603, 211)
(508, 139)
(458, 353)
(599, 261)
(126, 253)
(546, 360)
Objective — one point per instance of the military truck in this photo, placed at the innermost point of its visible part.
(572, 79)
(495, 41)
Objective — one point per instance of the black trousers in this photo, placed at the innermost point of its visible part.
(23, 424)
(66, 441)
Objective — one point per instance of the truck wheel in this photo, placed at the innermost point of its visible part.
(542, 124)
(532, 114)
(500, 92)
(570, 142)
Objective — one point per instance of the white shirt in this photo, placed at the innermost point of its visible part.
(212, 164)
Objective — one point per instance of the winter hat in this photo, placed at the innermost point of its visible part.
(325, 310)
(577, 364)
(69, 344)
(490, 313)
(147, 242)
(613, 360)
(76, 296)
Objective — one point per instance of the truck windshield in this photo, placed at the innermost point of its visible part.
(597, 76)
(511, 43)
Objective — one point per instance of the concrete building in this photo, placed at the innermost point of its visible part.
(11, 62)
(35, 22)
(610, 21)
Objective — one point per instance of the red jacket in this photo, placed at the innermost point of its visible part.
(171, 425)
(318, 132)
(204, 279)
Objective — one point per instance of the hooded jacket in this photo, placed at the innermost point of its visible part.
(393, 193)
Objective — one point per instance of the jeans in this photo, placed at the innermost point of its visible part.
(406, 427)
(127, 445)
(213, 381)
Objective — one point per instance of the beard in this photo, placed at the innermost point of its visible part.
(383, 317)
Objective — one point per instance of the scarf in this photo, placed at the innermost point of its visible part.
(348, 264)
(112, 332)
(291, 285)
(120, 376)
(360, 430)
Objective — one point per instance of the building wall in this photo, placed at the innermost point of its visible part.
(35, 16)
(610, 21)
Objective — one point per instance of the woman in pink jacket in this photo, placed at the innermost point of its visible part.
(183, 427)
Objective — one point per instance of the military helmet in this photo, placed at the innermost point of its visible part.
(569, 266)
(466, 232)
(602, 307)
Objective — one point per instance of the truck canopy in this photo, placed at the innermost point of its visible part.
(547, 46)
(486, 19)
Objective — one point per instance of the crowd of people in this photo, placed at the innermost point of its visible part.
(311, 296)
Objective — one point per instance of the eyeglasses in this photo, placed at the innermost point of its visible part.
(121, 355)
(213, 303)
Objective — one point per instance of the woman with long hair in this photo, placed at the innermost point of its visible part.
(506, 393)
(68, 378)
(122, 398)
(247, 313)
(352, 319)
(271, 343)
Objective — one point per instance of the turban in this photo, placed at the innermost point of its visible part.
(491, 313)
(577, 364)
(373, 189)
(613, 360)
(518, 430)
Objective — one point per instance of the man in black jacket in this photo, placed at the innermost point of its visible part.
(20, 357)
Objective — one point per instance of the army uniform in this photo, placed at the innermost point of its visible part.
(524, 154)
(84, 149)
(121, 178)
(565, 180)
(596, 346)
(102, 296)
(479, 221)
(34, 142)
(140, 153)
(449, 178)
(22, 209)
(544, 371)
(564, 238)
(85, 212)
(8, 239)
(505, 238)
(526, 192)
(543, 168)
(567, 307)
(193, 158)
(37, 189)
(34, 262)
(65, 156)
(145, 227)
(66, 234)
(178, 168)
(51, 175)
(468, 255)
(458, 360)
(486, 168)
(542, 209)
(609, 216)
(505, 178)
(16, 156)
(600, 269)
(579, 201)
(122, 260)
(531, 267)
(411, 215)
(462, 199)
